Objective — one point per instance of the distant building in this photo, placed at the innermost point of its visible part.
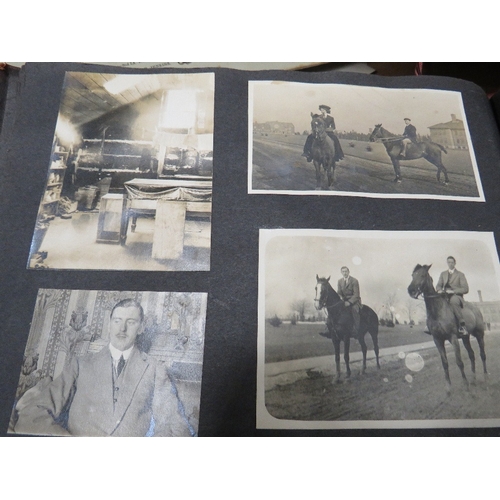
(450, 134)
(273, 128)
(490, 311)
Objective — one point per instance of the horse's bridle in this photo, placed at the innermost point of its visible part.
(322, 304)
(320, 136)
(425, 295)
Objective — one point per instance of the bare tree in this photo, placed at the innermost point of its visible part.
(413, 309)
(390, 303)
(300, 307)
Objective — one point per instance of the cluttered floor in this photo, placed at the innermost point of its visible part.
(71, 244)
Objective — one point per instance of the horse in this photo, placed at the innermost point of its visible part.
(442, 323)
(323, 151)
(340, 324)
(430, 151)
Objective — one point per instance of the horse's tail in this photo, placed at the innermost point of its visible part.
(430, 147)
(442, 148)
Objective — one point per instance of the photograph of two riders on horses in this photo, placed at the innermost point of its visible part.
(359, 140)
(372, 328)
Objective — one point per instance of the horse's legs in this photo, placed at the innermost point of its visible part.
(446, 179)
(336, 346)
(347, 343)
(331, 174)
(458, 357)
(470, 352)
(363, 350)
(444, 360)
(397, 169)
(317, 166)
(435, 159)
(374, 336)
(482, 351)
(442, 168)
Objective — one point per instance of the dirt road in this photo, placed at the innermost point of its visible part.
(409, 386)
(278, 165)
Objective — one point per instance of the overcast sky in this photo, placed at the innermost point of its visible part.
(382, 262)
(353, 107)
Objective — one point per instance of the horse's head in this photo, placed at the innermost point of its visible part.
(421, 283)
(322, 288)
(377, 133)
(318, 125)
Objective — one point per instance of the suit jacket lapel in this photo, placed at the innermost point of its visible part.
(131, 376)
(346, 283)
(103, 371)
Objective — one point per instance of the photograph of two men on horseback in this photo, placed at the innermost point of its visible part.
(360, 327)
(338, 139)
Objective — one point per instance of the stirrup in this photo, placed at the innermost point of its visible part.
(462, 331)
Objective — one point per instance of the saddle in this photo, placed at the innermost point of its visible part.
(414, 150)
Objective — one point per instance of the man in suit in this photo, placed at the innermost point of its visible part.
(453, 283)
(409, 134)
(348, 289)
(120, 391)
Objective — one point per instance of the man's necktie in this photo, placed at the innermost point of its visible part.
(120, 366)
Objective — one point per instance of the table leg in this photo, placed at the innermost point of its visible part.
(168, 239)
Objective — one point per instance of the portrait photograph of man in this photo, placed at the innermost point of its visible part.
(102, 363)
(378, 329)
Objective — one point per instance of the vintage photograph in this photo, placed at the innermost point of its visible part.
(129, 181)
(378, 329)
(351, 140)
(109, 363)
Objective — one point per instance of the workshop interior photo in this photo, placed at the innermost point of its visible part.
(129, 181)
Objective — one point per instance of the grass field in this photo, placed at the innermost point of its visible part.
(277, 164)
(302, 340)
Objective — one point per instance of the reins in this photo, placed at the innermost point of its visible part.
(319, 307)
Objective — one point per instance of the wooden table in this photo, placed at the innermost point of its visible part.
(168, 201)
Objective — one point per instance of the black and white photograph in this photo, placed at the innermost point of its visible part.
(129, 182)
(378, 329)
(112, 363)
(353, 140)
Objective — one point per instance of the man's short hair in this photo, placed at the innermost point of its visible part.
(344, 267)
(453, 258)
(129, 303)
(407, 119)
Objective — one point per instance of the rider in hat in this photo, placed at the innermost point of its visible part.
(409, 134)
(330, 129)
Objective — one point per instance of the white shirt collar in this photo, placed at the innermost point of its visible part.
(116, 353)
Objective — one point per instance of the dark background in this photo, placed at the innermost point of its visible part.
(30, 104)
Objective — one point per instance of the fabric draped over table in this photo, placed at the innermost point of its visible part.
(172, 194)
(169, 190)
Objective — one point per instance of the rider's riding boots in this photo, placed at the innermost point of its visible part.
(462, 330)
(326, 334)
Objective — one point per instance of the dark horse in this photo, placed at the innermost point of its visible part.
(323, 151)
(442, 323)
(340, 324)
(430, 151)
